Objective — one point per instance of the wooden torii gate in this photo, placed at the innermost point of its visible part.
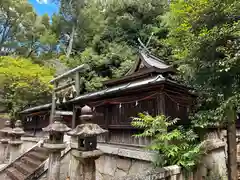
(74, 74)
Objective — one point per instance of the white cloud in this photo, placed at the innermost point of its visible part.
(42, 1)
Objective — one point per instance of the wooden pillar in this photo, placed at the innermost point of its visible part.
(77, 83)
(106, 119)
(74, 117)
(77, 86)
(53, 103)
(161, 104)
(232, 144)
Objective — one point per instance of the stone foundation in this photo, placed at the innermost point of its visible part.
(109, 166)
(63, 168)
(165, 173)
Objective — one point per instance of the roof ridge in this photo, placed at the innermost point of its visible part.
(157, 58)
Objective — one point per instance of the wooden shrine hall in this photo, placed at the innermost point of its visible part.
(147, 87)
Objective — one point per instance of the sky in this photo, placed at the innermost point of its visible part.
(44, 6)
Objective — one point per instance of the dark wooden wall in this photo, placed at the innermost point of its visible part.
(39, 121)
(117, 119)
(35, 122)
(170, 101)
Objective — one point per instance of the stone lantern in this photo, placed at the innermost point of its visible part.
(15, 141)
(55, 145)
(17, 133)
(84, 151)
(4, 141)
(5, 132)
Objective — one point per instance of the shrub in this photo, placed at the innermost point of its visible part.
(174, 144)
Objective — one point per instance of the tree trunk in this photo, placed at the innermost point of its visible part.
(232, 144)
(29, 53)
(69, 49)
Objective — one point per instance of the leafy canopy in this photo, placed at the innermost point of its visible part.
(205, 36)
(23, 83)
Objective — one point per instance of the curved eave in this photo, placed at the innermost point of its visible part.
(120, 88)
(151, 61)
(156, 80)
(36, 108)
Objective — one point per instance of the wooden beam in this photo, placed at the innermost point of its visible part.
(64, 86)
(69, 73)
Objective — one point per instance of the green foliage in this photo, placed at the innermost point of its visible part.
(22, 31)
(106, 35)
(174, 145)
(204, 35)
(23, 83)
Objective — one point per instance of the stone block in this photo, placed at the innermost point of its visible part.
(141, 155)
(124, 163)
(215, 160)
(106, 177)
(120, 173)
(99, 176)
(135, 153)
(99, 164)
(156, 174)
(110, 165)
(139, 166)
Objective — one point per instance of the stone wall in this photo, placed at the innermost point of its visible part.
(119, 161)
(109, 166)
(129, 163)
(7, 152)
(214, 161)
(63, 168)
(28, 143)
(112, 163)
(165, 173)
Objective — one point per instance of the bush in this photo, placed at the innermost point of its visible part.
(177, 146)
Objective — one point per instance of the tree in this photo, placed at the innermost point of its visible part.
(23, 83)
(70, 21)
(107, 35)
(36, 36)
(22, 31)
(204, 35)
(12, 14)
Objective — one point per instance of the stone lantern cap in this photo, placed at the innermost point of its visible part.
(86, 113)
(54, 143)
(87, 130)
(7, 127)
(18, 130)
(16, 133)
(57, 126)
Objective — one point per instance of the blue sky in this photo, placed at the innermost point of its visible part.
(44, 6)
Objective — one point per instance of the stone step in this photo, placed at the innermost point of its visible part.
(5, 176)
(37, 155)
(41, 150)
(23, 168)
(14, 174)
(30, 162)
